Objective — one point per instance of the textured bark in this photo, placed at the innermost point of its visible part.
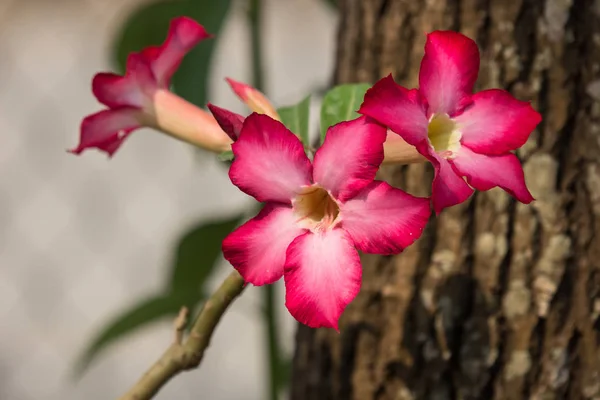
(497, 300)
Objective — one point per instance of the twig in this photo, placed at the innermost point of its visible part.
(180, 323)
(181, 357)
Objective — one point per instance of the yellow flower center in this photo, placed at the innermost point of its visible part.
(315, 208)
(443, 135)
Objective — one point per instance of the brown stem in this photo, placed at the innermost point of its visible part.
(181, 357)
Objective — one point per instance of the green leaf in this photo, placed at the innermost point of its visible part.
(340, 104)
(141, 314)
(332, 3)
(148, 26)
(196, 258)
(226, 156)
(191, 79)
(285, 372)
(295, 118)
(197, 253)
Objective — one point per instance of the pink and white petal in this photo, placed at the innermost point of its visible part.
(484, 172)
(258, 248)
(448, 71)
(448, 188)
(322, 276)
(230, 122)
(106, 130)
(496, 122)
(270, 163)
(349, 157)
(397, 108)
(117, 91)
(384, 220)
(184, 34)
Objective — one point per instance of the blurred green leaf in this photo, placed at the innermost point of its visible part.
(226, 155)
(340, 104)
(195, 260)
(295, 118)
(285, 372)
(332, 3)
(197, 253)
(148, 26)
(143, 313)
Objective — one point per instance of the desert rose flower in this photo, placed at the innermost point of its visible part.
(142, 98)
(230, 122)
(462, 134)
(316, 215)
(254, 99)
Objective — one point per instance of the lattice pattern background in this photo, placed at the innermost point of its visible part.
(81, 238)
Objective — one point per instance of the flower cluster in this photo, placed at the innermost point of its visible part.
(141, 98)
(318, 214)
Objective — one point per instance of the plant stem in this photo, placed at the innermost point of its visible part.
(269, 292)
(272, 340)
(254, 16)
(184, 356)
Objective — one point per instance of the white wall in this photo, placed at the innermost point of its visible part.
(83, 237)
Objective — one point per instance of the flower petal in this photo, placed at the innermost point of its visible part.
(397, 108)
(270, 163)
(229, 121)
(350, 157)
(125, 91)
(106, 130)
(257, 249)
(322, 276)
(484, 172)
(254, 99)
(184, 34)
(496, 122)
(448, 71)
(383, 219)
(448, 189)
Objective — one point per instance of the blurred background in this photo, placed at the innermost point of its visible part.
(85, 239)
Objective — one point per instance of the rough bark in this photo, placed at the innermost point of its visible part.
(497, 300)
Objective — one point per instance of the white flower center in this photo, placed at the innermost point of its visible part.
(443, 135)
(315, 208)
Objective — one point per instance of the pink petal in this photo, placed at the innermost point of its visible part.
(448, 71)
(322, 276)
(448, 188)
(397, 108)
(125, 91)
(107, 129)
(350, 156)
(229, 121)
(383, 219)
(485, 172)
(270, 163)
(184, 34)
(496, 122)
(257, 249)
(254, 99)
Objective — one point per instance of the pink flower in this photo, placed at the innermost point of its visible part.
(230, 122)
(316, 215)
(462, 134)
(142, 98)
(254, 99)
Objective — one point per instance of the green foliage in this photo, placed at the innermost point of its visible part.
(149, 25)
(332, 3)
(195, 260)
(141, 314)
(295, 118)
(197, 253)
(226, 155)
(340, 104)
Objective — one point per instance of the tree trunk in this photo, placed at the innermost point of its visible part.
(497, 300)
